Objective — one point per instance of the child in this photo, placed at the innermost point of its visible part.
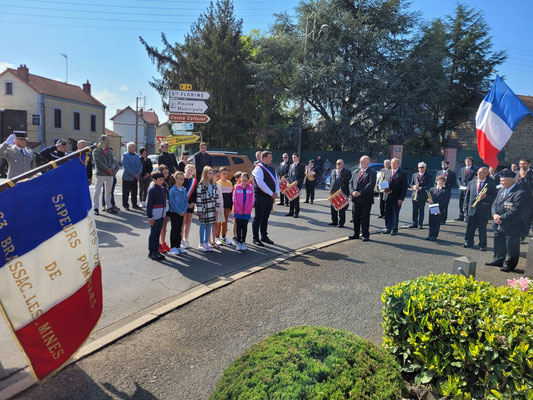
(167, 183)
(438, 195)
(178, 208)
(220, 212)
(237, 178)
(226, 188)
(206, 206)
(190, 184)
(156, 207)
(243, 202)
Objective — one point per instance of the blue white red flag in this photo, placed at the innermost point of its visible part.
(50, 274)
(497, 117)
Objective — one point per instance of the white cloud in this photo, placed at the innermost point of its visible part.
(4, 65)
(123, 88)
(106, 97)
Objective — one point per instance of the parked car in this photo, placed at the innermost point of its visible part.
(153, 159)
(376, 167)
(232, 161)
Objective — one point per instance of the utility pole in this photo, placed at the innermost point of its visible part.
(66, 65)
(137, 122)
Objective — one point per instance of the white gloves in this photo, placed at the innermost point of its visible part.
(11, 139)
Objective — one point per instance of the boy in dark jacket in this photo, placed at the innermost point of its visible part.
(156, 207)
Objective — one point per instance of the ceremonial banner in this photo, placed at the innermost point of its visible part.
(50, 274)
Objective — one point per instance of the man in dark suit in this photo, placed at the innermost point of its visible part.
(421, 182)
(201, 159)
(340, 179)
(466, 174)
(451, 181)
(362, 190)
(477, 217)
(395, 197)
(524, 179)
(284, 172)
(296, 174)
(507, 212)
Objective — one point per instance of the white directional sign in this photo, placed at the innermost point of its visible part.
(184, 126)
(187, 106)
(182, 133)
(189, 94)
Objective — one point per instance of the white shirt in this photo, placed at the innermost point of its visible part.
(506, 191)
(258, 174)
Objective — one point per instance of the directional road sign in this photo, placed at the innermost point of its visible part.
(188, 106)
(189, 94)
(174, 140)
(182, 133)
(183, 126)
(196, 118)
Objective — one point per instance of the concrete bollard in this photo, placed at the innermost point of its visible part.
(464, 266)
(528, 271)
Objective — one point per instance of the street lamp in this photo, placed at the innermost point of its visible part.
(323, 29)
(66, 65)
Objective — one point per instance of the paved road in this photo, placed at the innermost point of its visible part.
(132, 283)
(182, 355)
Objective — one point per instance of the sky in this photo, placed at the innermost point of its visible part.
(101, 39)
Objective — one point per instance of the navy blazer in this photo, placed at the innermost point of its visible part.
(398, 186)
(340, 182)
(511, 211)
(441, 197)
(364, 185)
(425, 184)
(484, 206)
(297, 174)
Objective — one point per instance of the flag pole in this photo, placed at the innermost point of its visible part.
(43, 168)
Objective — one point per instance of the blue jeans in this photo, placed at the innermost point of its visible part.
(155, 232)
(205, 231)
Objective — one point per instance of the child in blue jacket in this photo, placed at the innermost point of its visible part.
(178, 208)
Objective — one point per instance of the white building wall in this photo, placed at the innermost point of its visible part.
(124, 125)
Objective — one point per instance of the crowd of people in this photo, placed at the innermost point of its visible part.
(176, 191)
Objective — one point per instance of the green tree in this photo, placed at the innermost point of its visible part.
(213, 58)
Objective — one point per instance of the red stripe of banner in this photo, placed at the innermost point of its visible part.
(486, 150)
(50, 340)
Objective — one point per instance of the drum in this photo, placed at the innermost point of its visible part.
(283, 184)
(292, 191)
(338, 200)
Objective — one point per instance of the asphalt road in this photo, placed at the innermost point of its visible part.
(132, 283)
(183, 354)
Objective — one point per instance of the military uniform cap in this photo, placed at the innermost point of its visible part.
(507, 173)
(21, 134)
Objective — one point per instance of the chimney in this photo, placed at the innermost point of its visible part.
(87, 87)
(23, 72)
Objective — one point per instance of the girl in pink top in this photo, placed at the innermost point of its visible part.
(243, 202)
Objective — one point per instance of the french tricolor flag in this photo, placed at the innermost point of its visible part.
(497, 117)
(50, 274)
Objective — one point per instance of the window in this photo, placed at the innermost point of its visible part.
(76, 121)
(57, 118)
(237, 160)
(220, 161)
(93, 123)
(8, 88)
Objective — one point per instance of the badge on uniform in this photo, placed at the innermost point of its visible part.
(508, 205)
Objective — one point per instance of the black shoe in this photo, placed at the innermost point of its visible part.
(333, 223)
(311, 202)
(428, 238)
(136, 207)
(386, 232)
(433, 239)
(160, 257)
(494, 264)
(353, 237)
(127, 208)
(365, 239)
(340, 226)
(468, 246)
(381, 216)
(295, 216)
(507, 268)
(267, 240)
(420, 227)
(443, 223)
(393, 233)
(306, 201)
(96, 212)
(280, 204)
(413, 226)
(482, 249)
(111, 211)
(289, 215)
(459, 219)
(115, 208)
(258, 242)
(351, 221)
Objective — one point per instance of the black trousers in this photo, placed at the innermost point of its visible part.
(143, 188)
(176, 222)
(462, 194)
(263, 207)
(418, 212)
(434, 225)
(129, 187)
(392, 215)
(242, 229)
(338, 217)
(476, 222)
(283, 199)
(381, 205)
(294, 206)
(310, 191)
(361, 219)
(506, 249)
(444, 210)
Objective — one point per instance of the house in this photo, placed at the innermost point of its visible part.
(48, 109)
(135, 127)
(519, 145)
(115, 142)
(162, 130)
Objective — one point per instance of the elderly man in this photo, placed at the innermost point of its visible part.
(396, 192)
(421, 182)
(451, 180)
(130, 177)
(340, 179)
(54, 152)
(382, 173)
(362, 192)
(19, 157)
(466, 174)
(507, 212)
(81, 145)
(479, 196)
(201, 159)
(105, 171)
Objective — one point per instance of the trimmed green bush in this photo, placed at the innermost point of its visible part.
(468, 339)
(312, 363)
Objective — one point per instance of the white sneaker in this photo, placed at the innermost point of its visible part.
(238, 247)
(234, 242)
(202, 247)
(219, 242)
(185, 244)
(174, 251)
(243, 247)
(208, 247)
(143, 204)
(182, 250)
(227, 241)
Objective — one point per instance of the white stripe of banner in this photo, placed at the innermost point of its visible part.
(35, 282)
(496, 130)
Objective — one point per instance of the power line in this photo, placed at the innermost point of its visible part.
(93, 26)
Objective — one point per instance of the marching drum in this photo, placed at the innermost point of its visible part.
(283, 184)
(292, 191)
(338, 200)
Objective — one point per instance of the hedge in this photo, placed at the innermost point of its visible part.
(312, 363)
(468, 339)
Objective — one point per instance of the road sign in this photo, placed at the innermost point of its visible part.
(187, 106)
(189, 94)
(183, 126)
(175, 140)
(185, 86)
(196, 118)
(182, 133)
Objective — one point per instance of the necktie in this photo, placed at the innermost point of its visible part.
(478, 187)
(360, 176)
(437, 192)
(22, 151)
(391, 175)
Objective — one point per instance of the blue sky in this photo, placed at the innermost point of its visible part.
(101, 39)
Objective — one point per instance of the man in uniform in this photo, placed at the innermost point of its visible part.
(266, 188)
(466, 174)
(421, 182)
(451, 180)
(284, 172)
(340, 179)
(396, 195)
(507, 212)
(524, 179)
(362, 187)
(477, 217)
(19, 157)
(296, 174)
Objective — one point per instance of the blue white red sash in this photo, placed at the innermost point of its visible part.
(268, 170)
(192, 186)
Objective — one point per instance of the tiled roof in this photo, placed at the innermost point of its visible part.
(150, 117)
(109, 132)
(528, 101)
(58, 89)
